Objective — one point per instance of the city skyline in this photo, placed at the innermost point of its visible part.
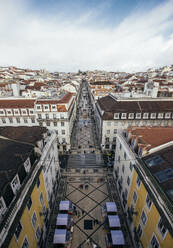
(86, 35)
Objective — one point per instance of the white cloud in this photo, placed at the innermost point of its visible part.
(138, 42)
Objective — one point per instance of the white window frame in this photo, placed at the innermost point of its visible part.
(38, 107)
(153, 116)
(32, 111)
(168, 115)
(53, 107)
(123, 116)
(16, 110)
(131, 116)
(138, 116)
(2, 113)
(15, 184)
(156, 240)
(46, 107)
(143, 211)
(116, 116)
(9, 110)
(145, 115)
(24, 110)
(160, 116)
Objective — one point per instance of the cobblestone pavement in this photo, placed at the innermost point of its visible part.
(84, 135)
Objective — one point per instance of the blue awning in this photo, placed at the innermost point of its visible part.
(111, 207)
(114, 221)
(117, 237)
(59, 236)
(62, 220)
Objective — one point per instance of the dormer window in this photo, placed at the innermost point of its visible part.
(2, 112)
(53, 107)
(138, 115)
(167, 115)
(116, 115)
(160, 115)
(16, 112)
(15, 184)
(31, 111)
(123, 115)
(153, 116)
(46, 107)
(131, 116)
(24, 112)
(38, 107)
(9, 112)
(145, 115)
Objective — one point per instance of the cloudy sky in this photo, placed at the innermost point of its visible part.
(68, 35)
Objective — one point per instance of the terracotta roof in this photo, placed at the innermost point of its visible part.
(64, 99)
(153, 136)
(17, 103)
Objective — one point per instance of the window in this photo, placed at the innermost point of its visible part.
(3, 120)
(31, 112)
(61, 116)
(139, 231)
(116, 123)
(123, 168)
(107, 140)
(128, 180)
(108, 131)
(108, 123)
(115, 131)
(47, 116)
(145, 115)
(16, 112)
(135, 196)
(131, 166)
(148, 201)
(143, 217)
(24, 112)
(114, 139)
(107, 146)
(41, 198)
(167, 115)
(25, 243)
(160, 116)
(10, 120)
(138, 115)
(1, 112)
(46, 107)
(38, 107)
(123, 115)
(15, 182)
(54, 116)
(25, 121)
(153, 116)
(119, 158)
(162, 228)
(125, 155)
(34, 219)
(32, 120)
(63, 131)
(116, 115)
(48, 123)
(62, 123)
(131, 115)
(18, 230)
(18, 120)
(9, 112)
(29, 203)
(39, 116)
(55, 124)
(138, 181)
(38, 234)
(38, 182)
(154, 242)
(53, 107)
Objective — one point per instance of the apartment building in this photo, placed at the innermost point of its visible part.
(143, 172)
(55, 114)
(28, 180)
(112, 114)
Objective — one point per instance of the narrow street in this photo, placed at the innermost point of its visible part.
(88, 185)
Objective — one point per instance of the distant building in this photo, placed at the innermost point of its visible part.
(112, 114)
(143, 172)
(29, 172)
